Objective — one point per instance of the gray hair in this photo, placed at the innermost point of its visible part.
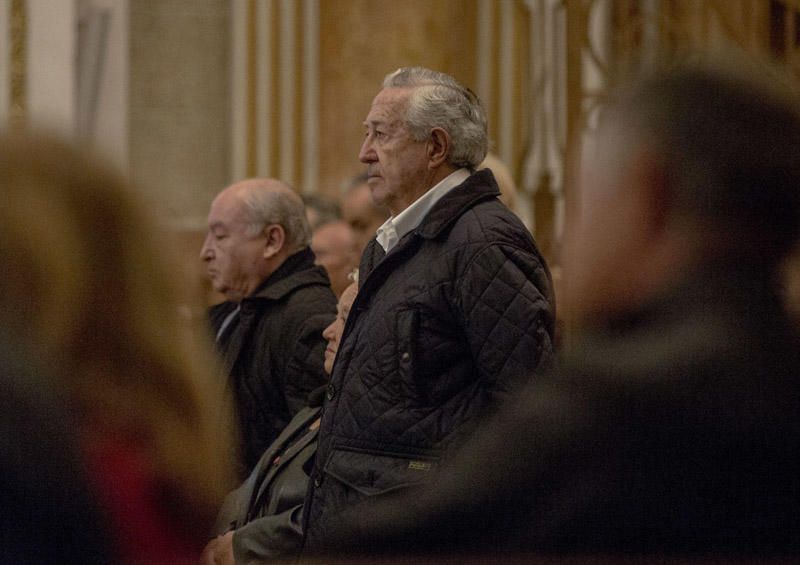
(438, 100)
(265, 206)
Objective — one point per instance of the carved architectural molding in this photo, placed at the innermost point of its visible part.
(275, 90)
(581, 48)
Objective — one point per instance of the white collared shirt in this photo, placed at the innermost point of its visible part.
(397, 226)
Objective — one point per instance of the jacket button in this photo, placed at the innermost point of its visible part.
(317, 481)
(331, 392)
(405, 357)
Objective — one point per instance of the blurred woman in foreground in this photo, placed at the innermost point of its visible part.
(88, 283)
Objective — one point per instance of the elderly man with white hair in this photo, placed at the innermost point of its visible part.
(454, 311)
(269, 331)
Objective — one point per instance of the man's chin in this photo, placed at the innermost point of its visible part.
(224, 291)
(377, 191)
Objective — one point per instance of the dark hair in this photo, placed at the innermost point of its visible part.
(730, 143)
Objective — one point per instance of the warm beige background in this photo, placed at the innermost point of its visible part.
(362, 41)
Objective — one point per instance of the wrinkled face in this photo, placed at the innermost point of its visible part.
(234, 257)
(335, 251)
(333, 333)
(396, 164)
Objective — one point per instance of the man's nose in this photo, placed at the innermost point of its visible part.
(205, 251)
(367, 153)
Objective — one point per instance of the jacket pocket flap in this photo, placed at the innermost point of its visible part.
(373, 473)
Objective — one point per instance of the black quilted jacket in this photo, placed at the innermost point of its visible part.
(455, 317)
(275, 352)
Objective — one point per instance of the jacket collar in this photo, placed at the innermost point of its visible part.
(298, 270)
(478, 187)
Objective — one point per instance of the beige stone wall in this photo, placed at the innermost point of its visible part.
(179, 103)
(362, 41)
(179, 114)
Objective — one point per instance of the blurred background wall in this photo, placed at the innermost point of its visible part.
(186, 96)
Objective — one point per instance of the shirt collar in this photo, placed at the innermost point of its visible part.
(396, 227)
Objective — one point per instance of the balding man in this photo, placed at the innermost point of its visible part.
(334, 246)
(269, 331)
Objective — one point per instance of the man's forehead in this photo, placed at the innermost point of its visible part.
(226, 209)
(388, 106)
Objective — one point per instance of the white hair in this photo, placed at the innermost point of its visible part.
(438, 100)
(265, 207)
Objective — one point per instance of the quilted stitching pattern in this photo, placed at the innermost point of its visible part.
(442, 328)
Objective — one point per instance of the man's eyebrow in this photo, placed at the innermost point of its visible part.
(377, 122)
(216, 225)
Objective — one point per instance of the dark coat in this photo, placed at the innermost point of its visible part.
(266, 510)
(274, 350)
(673, 430)
(456, 316)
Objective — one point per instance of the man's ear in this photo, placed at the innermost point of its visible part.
(276, 236)
(438, 148)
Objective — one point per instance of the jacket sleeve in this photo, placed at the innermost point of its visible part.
(232, 508)
(505, 299)
(270, 537)
(304, 367)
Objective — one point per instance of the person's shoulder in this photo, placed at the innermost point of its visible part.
(490, 224)
(304, 283)
(311, 305)
(313, 289)
(496, 215)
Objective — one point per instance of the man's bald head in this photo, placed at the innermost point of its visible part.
(728, 141)
(271, 201)
(253, 226)
(687, 169)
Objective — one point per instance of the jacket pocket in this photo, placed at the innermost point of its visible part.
(406, 330)
(372, 473)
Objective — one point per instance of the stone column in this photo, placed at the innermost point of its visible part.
(179, 105)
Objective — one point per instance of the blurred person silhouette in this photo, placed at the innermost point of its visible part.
(673, 426)
(262, 519)
(90, 285)
(321, 210)
(269, 330)
(334, 247)
(361, 212)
